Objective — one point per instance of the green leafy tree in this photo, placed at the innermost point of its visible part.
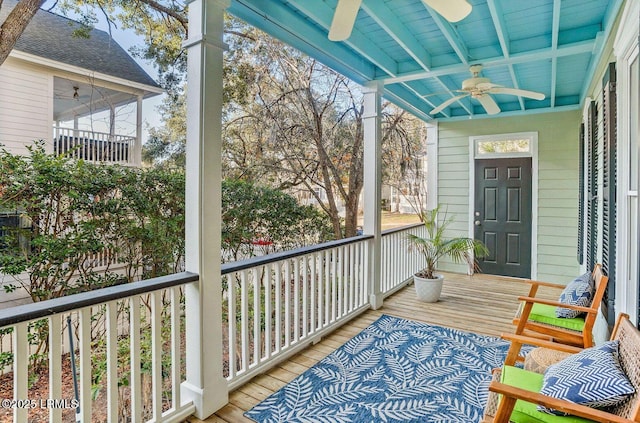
(263, 220)
(66, 208)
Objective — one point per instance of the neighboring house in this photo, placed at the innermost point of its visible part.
(409, 195)
(72, 92)
(82, 96)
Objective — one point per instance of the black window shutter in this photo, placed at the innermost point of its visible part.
(581, 197)
(592, 184)
(609, 123)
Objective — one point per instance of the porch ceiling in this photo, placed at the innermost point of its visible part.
(549, 46)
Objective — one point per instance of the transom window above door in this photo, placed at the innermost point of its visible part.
(503, 145)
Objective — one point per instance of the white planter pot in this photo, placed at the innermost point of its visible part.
(428, 290)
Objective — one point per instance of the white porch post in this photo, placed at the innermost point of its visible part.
(371, 123)
(205, 384)
(137, 148)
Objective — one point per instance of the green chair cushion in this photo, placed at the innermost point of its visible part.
(527, 412)
(547, 314)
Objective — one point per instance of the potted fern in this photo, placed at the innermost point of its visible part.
(435, 246)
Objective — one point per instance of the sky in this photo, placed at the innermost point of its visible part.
(128, 39)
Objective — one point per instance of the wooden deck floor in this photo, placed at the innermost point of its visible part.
(484, 304)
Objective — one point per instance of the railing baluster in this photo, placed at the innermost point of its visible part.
(305, 297)
(112, 361)
(287, 303)
(268, 321)
(232, 322)
(278, 307)
(257, 311)
(314, 297)
(334, 284)
(176, 352)
(156, 355)
(244, 328)
(321, 290)
(328, 307)
(352, 280)
(20, 369)
(296, 299)
(383, 265)
(341, 281)
(55, 366)
(134, 342)
(84, 346)
(345, 279)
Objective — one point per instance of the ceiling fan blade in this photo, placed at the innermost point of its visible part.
(451, 10)
(446, 103)
(343, 19)
(489, 104)
(514, 91)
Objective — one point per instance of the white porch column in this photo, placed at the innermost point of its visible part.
(137, 148)
(205, 384)
(371, 122)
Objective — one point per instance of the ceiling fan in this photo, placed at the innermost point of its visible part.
(479, 88)
(347, 10)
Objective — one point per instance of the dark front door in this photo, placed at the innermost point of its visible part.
(502, 215)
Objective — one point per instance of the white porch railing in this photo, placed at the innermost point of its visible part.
(132, 333)
(273, 306)
(95, 147)
(399, 261)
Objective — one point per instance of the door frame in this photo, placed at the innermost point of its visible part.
(533, 153)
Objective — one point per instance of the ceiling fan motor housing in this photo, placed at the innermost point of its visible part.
(470, 84)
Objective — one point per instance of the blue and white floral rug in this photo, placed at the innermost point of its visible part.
(395, 370)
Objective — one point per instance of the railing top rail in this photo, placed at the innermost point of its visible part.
(62, 128)
(28, 312)
(402, 228)
(239, 265)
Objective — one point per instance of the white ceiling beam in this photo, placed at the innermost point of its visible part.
(386, 19)
(580, 47)
(555, 32)
(497, 16)
(452, 36)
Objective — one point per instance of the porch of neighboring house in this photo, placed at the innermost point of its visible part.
(93, 123)
(483, 304)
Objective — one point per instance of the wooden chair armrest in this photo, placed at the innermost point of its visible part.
(553, 403)
(539, 342)
(557, 304)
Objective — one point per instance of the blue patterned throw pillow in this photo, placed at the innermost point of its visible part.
(578, 292)
(592, 377)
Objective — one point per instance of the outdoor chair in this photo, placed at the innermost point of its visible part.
(514, 393)
(537, 316)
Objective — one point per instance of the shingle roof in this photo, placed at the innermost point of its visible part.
(51, 36)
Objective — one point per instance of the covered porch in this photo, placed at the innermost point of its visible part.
(482, 304)
(213, 314)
